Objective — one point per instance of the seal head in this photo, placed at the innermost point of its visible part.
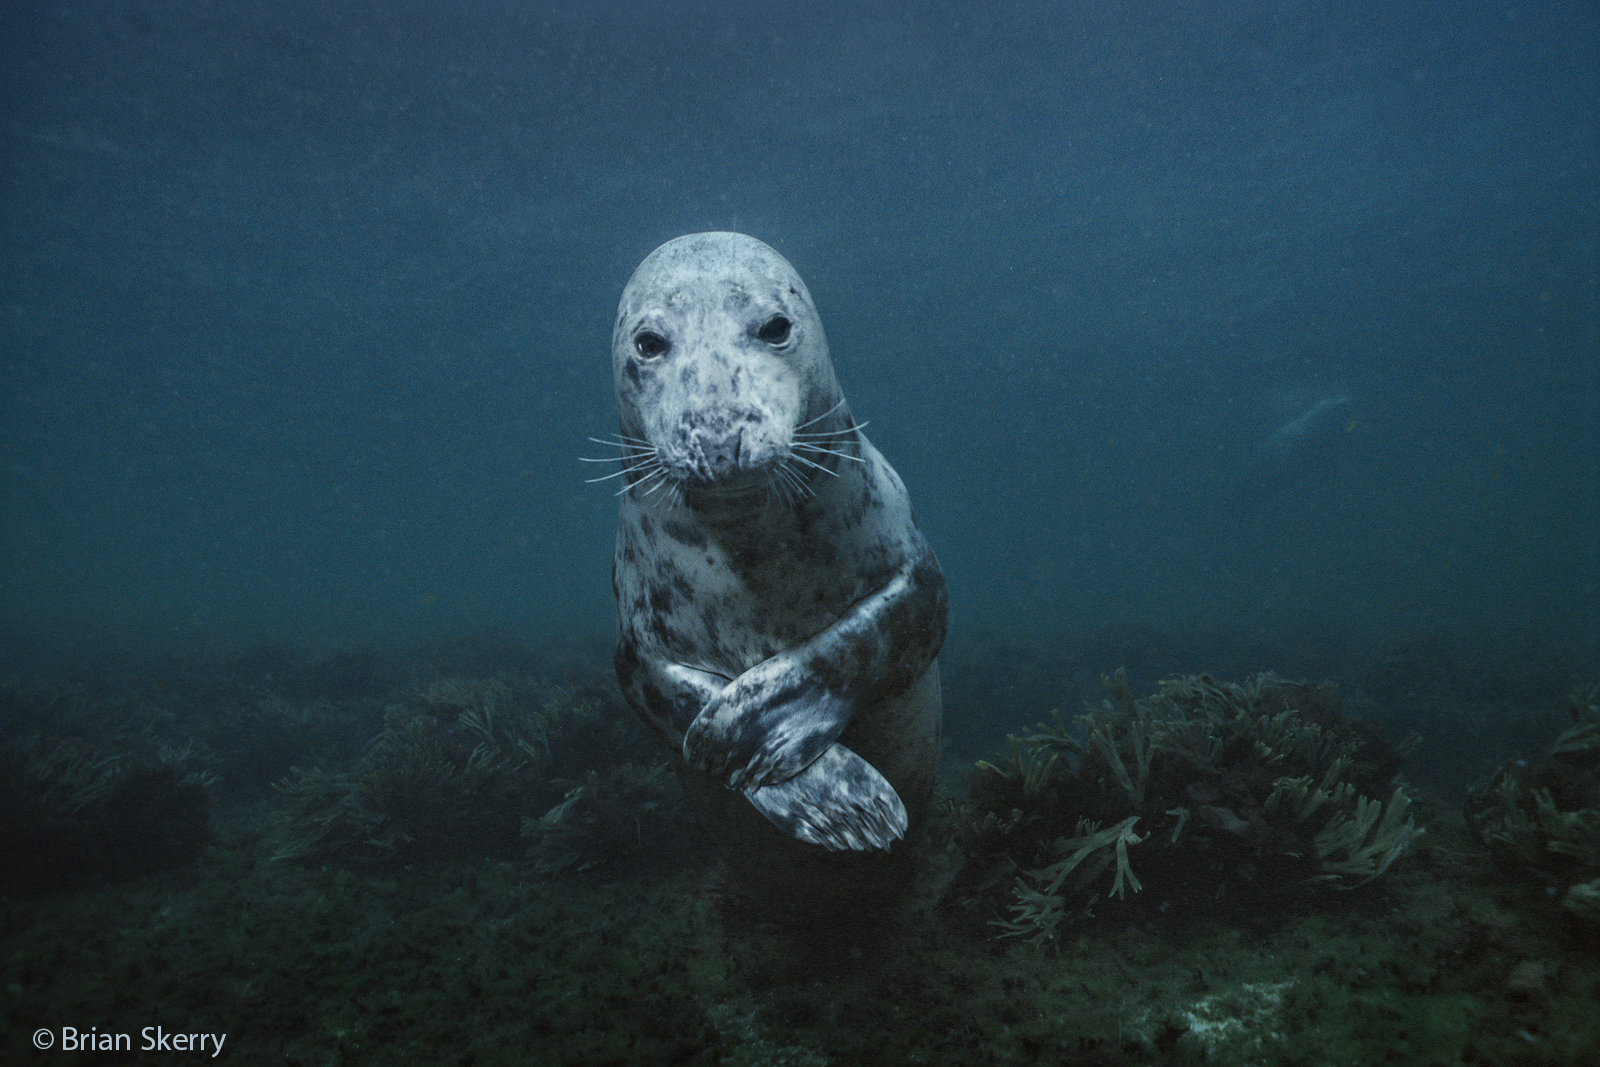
(719, 358)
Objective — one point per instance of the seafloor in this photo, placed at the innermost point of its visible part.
(1448, 959)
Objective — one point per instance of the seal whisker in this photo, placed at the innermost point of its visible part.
(792, 487)
(824, 415)
(620, 439)
(636, 456)
(835, 433)
(812, 463)
(802, 485)
(667, 500)
(655, 475)
(659, 483)
(778, 489)
(782, 471)
(804, 447)
(658, 479)
(651, 462)
(812, 446)
(630, 450)
(648, 462)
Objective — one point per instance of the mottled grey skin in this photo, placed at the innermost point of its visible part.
(779, 612)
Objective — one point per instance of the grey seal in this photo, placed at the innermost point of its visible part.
(1301, 452)
(779, 612)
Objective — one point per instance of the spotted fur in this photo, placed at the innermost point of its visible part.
(779, 612)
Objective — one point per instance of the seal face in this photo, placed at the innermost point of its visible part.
(779, 612)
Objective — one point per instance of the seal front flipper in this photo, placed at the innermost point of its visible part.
(779, 715)
(766, 727)
(666, 695)
(840, 802)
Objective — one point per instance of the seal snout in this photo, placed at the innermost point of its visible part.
(715, 450)
(715, 457)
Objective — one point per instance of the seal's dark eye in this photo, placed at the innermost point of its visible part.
(650, 344)
(774, 331)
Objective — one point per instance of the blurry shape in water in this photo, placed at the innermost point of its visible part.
(1301, 452)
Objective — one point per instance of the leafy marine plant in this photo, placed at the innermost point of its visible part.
(613, 818)
(78, 803)
(1204, 792)
(1543, 820)
(456, 770)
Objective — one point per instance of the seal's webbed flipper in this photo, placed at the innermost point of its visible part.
(763, 728)
(840, 802)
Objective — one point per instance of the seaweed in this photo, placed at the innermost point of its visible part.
(619, 818)
(74, 808)
(456, 771)
(1543, 820)
(1260, 791)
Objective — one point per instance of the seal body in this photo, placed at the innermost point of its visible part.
(779, 612)
(1301, 452)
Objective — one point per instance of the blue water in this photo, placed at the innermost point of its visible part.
(305, 306)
